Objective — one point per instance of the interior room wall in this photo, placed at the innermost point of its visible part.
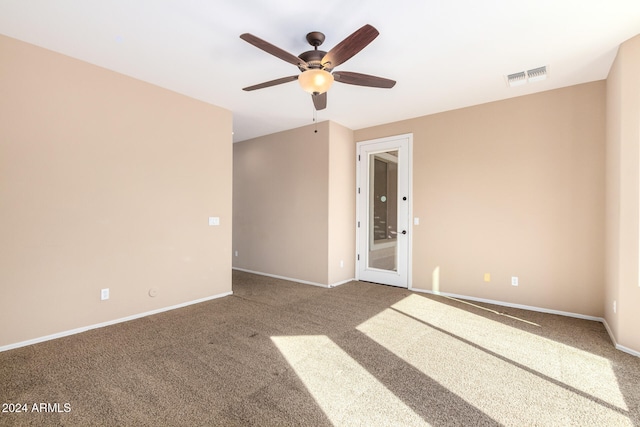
(342, 206)
(511, 188)
(105, 182)
(280, 199)
(623, 196)
(294, 204)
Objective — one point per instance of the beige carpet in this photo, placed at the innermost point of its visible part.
(278, 353)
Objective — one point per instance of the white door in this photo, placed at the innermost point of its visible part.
(384, 210)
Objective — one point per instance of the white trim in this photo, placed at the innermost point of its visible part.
(508, 304)
(410, 213)
(610, 332)
(540, 310)
(291, 279)
(344, 282)
(399, 278)
(615, 343)
(628, 350)
(109, 323)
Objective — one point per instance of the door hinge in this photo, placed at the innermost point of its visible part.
(358, 257)
(358, 157)
(358, 190)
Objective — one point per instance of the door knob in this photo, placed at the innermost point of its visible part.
(404, 231)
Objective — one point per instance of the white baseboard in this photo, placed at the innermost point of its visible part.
(507, 304)
(291, 279)
(109, 323)
(610, 332)
(628, 350)
(615, 343)
(538, 309)
(333, 285)
(185, 304)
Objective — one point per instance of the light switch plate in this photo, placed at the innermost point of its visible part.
(214, 220)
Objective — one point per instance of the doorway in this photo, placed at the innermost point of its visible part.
(383, 210)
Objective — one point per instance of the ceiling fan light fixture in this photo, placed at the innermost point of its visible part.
(315, 81)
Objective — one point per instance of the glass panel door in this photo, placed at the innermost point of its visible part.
(383, 211)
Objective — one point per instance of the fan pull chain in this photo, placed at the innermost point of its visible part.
(315, 119)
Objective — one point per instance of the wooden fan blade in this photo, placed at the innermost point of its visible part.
(271, 83)
(362, 80)
(320, 101)
(348, 47)
(274, 50)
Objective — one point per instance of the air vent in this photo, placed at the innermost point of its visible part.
(517, 79)
(530, 76)
(537, 74)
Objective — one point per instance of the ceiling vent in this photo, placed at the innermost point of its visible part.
(537, 74)
(529, 76)
(517, 79)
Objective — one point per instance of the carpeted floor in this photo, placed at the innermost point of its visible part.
(278, 353)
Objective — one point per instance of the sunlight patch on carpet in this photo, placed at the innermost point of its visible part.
(346, 392)
(463, 352)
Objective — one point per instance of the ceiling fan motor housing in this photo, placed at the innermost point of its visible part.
(313, 57)
(315, 38)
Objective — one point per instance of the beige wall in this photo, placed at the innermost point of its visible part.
(105, 182)
(293, 204)
(511, 188)
(342, 204)
(623, 194)
(280, 197)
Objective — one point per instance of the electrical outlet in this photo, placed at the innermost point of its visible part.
(487, 277)
(341, 263)
(236, 253)
(514, 281)
(104, 294)
(615, 307)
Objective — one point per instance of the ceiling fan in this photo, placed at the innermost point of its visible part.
(317, 65)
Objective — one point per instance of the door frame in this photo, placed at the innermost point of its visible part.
(361, 223)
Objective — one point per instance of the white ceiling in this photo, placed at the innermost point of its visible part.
(443, 54)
